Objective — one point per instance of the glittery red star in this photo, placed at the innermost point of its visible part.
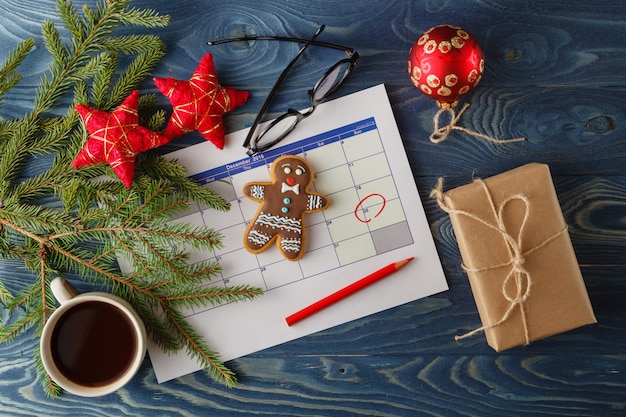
(200, 103)
(115, 138)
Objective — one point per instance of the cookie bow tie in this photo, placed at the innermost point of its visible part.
(286, 187)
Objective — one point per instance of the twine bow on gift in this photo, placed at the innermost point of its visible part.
(518, 293)
(440, 133)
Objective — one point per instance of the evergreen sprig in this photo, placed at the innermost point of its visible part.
(62, 221)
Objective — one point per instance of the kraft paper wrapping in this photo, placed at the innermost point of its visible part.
(518, 256)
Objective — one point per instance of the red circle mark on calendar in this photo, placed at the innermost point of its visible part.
(363, 200)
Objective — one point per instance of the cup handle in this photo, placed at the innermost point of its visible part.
(63, 291)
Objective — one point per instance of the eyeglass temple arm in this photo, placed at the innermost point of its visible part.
(346, 49)
(282, 75)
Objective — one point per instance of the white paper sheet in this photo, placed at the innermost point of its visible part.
(375, 218)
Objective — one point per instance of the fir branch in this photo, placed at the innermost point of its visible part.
(63, 221)
(71, 19)
(53, 42)
(189, 297)
(19, 327)
(5, 295)
(58, 179)
(157, 120)
(15, 152)
(51, 388)
(143, 17)
(172, 171)
(90, 69)
(99, 26)
(132, 44)
(9, 78)
(136, 72)
(54, 131)
(104, 75)
(196, 348)
(16, 57)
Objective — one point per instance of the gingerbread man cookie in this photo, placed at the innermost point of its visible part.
(285, 200)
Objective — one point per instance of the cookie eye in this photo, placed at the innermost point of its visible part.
(298, 171)
(287, 170)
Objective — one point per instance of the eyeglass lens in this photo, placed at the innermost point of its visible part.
(277, 130)
(331, 81)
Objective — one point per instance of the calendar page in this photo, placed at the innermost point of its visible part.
(375, 218)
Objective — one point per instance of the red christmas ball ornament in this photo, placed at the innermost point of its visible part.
(445, 63)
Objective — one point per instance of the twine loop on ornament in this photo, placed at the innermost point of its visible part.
(440, 133)
(517, 285)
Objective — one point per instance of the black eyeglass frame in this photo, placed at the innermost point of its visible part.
(251, 140)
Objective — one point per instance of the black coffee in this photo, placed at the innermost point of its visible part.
(93, 344)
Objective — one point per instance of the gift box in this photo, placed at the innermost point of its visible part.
(519, 258)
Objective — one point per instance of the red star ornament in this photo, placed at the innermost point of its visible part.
(115, 138)
(200, 103)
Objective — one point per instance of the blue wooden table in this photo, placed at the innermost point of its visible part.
(554, 74)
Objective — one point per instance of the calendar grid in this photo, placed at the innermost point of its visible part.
(365, 218)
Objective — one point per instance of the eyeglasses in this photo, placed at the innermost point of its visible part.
(260, 139)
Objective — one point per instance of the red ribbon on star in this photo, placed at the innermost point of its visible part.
(115, 138)
(200, 103)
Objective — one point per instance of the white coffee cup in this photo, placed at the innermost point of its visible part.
(94, 343)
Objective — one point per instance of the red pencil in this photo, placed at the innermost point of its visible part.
(346, 292)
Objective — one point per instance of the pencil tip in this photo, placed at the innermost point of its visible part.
(400, 264)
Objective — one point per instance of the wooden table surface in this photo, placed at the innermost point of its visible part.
(554, 74)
